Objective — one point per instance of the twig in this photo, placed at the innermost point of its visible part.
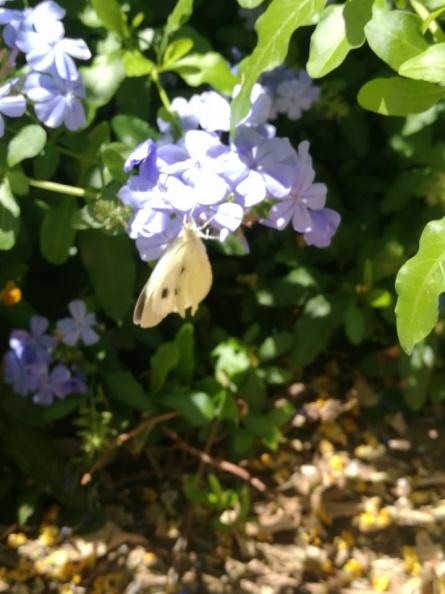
(220, 464)
(181, 544)
(122, 438)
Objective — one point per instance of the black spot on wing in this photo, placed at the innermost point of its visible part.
(182, 270)
(164, 293)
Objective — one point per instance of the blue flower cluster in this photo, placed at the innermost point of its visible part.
(32, 366)
(202, 180)
(291, 93)
(50, 80)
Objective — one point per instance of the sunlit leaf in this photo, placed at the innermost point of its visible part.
(395, 36)
(274, 28)
(398, 96)
(27, 143)
(419, 283)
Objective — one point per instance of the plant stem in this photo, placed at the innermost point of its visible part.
(432, 26)
(62, 189)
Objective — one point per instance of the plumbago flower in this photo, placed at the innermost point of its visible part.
(212, 184)
(291, 93)
(33, 365)
(51, 81)
(79, 326)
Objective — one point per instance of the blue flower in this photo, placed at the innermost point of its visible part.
(325, 223)
(259, 167)
(303, 197)
(77, 384)
(34, 347)
(28, 353)
(56, 101)
(79, 326)
(54, 383)
(291, 93)
(186, 112)
(155, 239)
(47, 50)
(303, 206)
(18, 373)
(201, 180)
(296, 95)
(12, 105)
(17, 21)
(145, 156)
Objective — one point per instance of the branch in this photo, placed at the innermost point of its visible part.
(122, 438)
(220, 464)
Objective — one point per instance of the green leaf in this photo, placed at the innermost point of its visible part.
(274, 375)
(178, 48)
(197, 408)
(232, 246)
(27, 143)
(292, 289)
(232, 358)
(102, 79)
(416, 372)
(242, 441)
(46, 163)
(253, 390)
(165, 359)
(354, 324)
(123, 387)
(379, 298)
(56, 233)
(38, 460)
(314, 328)
(18, 182)
(274, 28)
(111, 16)
(429, 65)
(130, 130)
(61, 408)
(398, 96)
(250, 3)
(136, 64)
(356, 14)
(274, 346)
(282, 414)
(403, 188)
(210, 68)
(114, 161)
(9, 217)
(27, 509)
(432, 17)
(85, 218)
(419, 283)
(111, 268)
(329, 43)
(185, 342)
(225, 405)
(179, 15)
(395, 36)
(264, 427)
(340, 29)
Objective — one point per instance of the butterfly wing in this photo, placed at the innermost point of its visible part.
(195, 279)
(181, 279)
(157, 298)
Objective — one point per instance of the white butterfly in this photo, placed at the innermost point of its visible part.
(181, 279)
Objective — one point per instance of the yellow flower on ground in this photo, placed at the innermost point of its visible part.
(11, 293)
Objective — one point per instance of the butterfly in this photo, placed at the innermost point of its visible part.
(181, 279)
